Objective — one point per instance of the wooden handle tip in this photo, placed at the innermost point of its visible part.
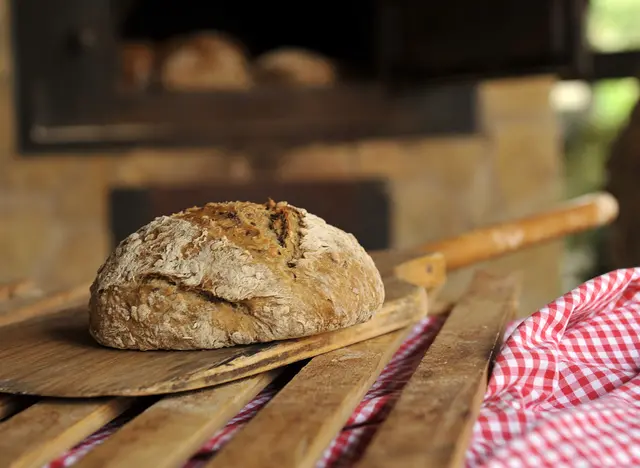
(606, 206)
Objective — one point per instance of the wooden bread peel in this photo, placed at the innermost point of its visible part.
(54, 356)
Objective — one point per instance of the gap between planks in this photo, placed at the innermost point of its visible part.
(430, 425)
(9, 405)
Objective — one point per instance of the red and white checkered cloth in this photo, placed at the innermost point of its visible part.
(565, 389)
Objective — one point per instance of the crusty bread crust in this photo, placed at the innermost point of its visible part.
(231, 274)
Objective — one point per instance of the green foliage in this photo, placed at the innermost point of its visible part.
(613, 101)
(613, 25)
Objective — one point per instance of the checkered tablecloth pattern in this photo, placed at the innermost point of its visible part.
(565, 389)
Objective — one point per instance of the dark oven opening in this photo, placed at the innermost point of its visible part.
(361, 207)
(341, 33)
(123, 73)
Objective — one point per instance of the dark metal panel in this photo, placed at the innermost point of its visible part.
(602, 66)
(129, 210)
(428, 41)
(65, 60)
(361, 207)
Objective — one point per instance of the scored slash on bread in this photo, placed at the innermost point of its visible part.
(232, 273)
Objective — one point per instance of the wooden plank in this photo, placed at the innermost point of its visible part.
(55, 355)
(300, 422)
(19, 310)
(47, 429)
(431, 422)
(172, 430)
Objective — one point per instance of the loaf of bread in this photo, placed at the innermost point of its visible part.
(137, 60)
(205, 61)
(232, 274)
(295, 67)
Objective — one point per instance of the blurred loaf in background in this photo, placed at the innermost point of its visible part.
(137, 65)
(205, 61)
(295, 67)
(216, 61)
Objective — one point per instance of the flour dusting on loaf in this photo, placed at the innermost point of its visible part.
(230, 274)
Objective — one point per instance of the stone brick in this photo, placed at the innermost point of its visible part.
(5, 40)
(528, 165)
(318, 162)
(382, 158)
(146, 167)
(83, 198)
(238, 168)
(28, 233)
(45, 173)
(7, 129)
(423, 212)
(76, 257)
(519, 98)
(6, 91)
(422, 155)
(451, 163)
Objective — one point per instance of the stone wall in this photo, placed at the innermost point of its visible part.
(53, 209)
